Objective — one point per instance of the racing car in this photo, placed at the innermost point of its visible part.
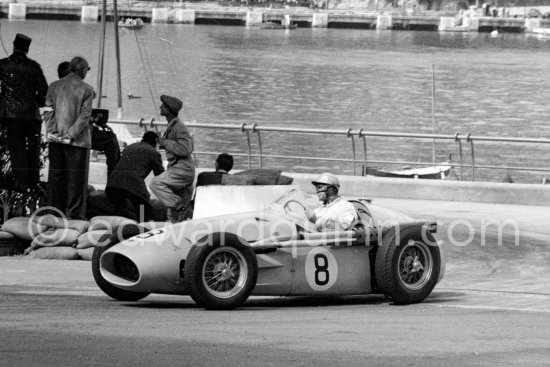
(272, 251)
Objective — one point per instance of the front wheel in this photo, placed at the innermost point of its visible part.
(220, 277)
(407, 265)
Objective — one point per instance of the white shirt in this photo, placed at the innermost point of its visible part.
(340, 212)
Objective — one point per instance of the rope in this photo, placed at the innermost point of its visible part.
(173, 69)
(151, 92)
(2, 41)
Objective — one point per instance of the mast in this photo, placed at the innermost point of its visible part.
(433, 112)
(117, 53)
(101, 54)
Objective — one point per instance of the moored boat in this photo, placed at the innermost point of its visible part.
(440, 172)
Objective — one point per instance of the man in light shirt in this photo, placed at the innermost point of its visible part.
(336, 214)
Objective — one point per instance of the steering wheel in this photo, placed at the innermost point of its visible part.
(287, 206)
(302, 220)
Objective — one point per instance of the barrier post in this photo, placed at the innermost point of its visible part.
(319, 20)
(17, 11)
(90, 13)
(159, 15)
(254, 17)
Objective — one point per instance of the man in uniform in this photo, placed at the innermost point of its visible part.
(23, 90)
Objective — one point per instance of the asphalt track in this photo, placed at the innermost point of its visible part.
(491, 309)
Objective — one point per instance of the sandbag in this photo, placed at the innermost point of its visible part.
(23, 227)
(54, 253)
(108, 222)
(51, 221)
(284, 180)
(56, 237)
(237, 180)
(85, 254)
(98, 237)
(261, 176)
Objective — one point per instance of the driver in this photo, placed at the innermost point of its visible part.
(336, 214)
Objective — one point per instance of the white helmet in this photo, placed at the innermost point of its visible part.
(327, 179)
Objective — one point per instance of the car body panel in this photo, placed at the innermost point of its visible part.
(293, 259)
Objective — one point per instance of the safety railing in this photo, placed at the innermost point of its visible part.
(357, 137)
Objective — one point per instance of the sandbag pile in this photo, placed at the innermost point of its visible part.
(50, 237)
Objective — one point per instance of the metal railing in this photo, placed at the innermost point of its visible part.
(248, 130)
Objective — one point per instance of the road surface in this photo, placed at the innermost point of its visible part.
(491, 309)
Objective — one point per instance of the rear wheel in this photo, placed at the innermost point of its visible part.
(407, 266)
(220, 277)
(109, 289)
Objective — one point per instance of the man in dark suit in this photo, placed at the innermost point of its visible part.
(126, 185)
(224, 164)
(23, 90)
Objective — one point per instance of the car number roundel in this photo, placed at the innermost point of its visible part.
(321, 269)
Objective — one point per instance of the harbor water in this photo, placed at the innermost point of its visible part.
(326, 79)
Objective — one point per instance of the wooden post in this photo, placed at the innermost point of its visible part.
(101, 53)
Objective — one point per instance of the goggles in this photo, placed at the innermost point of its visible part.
(321, 188)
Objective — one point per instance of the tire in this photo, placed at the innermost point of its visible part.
(206, 263)
(407, 268)
(109, 289)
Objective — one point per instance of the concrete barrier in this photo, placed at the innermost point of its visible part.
(471, 23)
(254, 17)
(403, 188)
(17, 11)
(319, 20)
(399, 188)
(446, 23)
(384, 22)
(90, 13)
(184, 16)
(159, 15)
(532, 23)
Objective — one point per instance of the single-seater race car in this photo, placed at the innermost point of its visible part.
(272, 251)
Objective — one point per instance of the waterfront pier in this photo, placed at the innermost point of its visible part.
(197, 13)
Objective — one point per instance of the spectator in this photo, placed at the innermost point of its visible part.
(174, 187)
(63, 69)
(67, 117)
(104, 139)
(224, 164)
(23, 90)
(127, 182)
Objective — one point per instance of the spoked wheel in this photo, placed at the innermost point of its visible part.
(415, 265)
(220, 277)
(407, 267)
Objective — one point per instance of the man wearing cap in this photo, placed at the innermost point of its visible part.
(174, 187)
(23, 90)
(103, 137)
(336, 214)
(67, 116)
